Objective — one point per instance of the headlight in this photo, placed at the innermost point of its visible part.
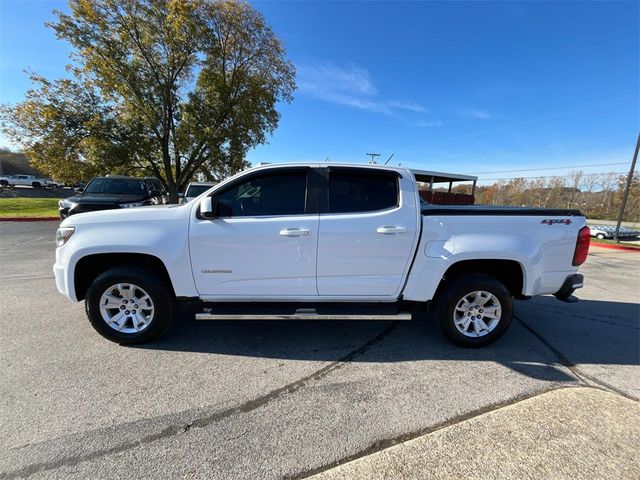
(131, 205)
(66, 204)
(63, 234)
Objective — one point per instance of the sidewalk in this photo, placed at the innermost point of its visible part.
(570, 433)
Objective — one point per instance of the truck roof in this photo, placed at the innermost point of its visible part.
(426, 176)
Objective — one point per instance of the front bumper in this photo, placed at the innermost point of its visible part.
(570, 285)
(59, 273)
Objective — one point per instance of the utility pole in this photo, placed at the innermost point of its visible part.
(625, 195)
(373, 158)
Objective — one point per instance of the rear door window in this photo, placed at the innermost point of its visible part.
(362, 190)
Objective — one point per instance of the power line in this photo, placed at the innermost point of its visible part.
(551, 176)
(552, 168)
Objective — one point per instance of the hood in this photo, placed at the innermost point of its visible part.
(105, 198)
(137, 215)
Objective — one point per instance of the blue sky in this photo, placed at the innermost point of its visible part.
(455, 86)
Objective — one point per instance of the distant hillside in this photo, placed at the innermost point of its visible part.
(15, 163)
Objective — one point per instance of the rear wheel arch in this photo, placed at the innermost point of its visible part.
(510, 273)
(89, 267)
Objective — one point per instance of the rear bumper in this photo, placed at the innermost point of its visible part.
(570, 285)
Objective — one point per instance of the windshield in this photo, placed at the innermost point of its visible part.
(195, 190)
(122, 186)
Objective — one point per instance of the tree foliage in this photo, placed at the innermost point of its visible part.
(175, 88)
(596, 195)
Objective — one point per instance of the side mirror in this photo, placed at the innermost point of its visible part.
(181, 195)
(79, 189)
(207, 208)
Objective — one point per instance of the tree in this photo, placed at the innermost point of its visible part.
(173, 88)
(575, 179)
(632, 210)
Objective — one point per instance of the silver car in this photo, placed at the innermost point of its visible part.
(194, 189)
(608, 231)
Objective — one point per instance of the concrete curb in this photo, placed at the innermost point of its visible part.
(29, 219)
(566, 434)
(615, 247)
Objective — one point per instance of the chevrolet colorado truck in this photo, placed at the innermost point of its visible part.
(317, 241)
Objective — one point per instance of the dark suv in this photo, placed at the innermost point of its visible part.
(104, 193)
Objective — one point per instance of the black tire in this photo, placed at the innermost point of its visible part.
(162, 299)
(600, 236)
(455, 290)
(4, 183)
(36, 184)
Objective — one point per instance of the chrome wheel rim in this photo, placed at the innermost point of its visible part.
(126, 308)
(477, 314)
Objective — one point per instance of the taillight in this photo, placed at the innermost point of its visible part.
(582, 246)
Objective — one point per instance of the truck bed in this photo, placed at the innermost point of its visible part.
(498, 210)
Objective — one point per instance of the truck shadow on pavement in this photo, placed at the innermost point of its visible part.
(545, 334)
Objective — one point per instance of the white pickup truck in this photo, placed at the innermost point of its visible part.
(317, 241)
(27, 180)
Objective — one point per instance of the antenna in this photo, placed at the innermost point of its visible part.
(389, 158)
(373, 158)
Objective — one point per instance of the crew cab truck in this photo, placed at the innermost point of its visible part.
(317, 241)
(27, 180)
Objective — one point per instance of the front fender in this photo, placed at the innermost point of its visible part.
(164, 238)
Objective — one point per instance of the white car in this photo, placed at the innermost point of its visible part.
(27, 180)
(317, 241)
(195, 189)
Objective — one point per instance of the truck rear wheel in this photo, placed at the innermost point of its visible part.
(129, 305)
(474, 310)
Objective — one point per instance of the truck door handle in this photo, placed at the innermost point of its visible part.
(294, 232)
(391, 230)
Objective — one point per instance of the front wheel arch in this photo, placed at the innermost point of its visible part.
(89, 267)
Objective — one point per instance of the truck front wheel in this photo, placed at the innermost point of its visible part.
(129, 305)
(474, 310)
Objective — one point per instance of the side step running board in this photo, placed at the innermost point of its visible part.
(302, 314)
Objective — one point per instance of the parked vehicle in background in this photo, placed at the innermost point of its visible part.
(607, 231)
(27, 181)
(114, 192)
(6, 180)
(195, 189)
(630, 233)
(52, 184)
(317, 241)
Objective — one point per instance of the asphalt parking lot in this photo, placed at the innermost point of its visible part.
(277, 399)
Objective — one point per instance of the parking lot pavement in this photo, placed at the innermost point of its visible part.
(274, 399)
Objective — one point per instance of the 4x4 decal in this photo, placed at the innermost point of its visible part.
(552, 221)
